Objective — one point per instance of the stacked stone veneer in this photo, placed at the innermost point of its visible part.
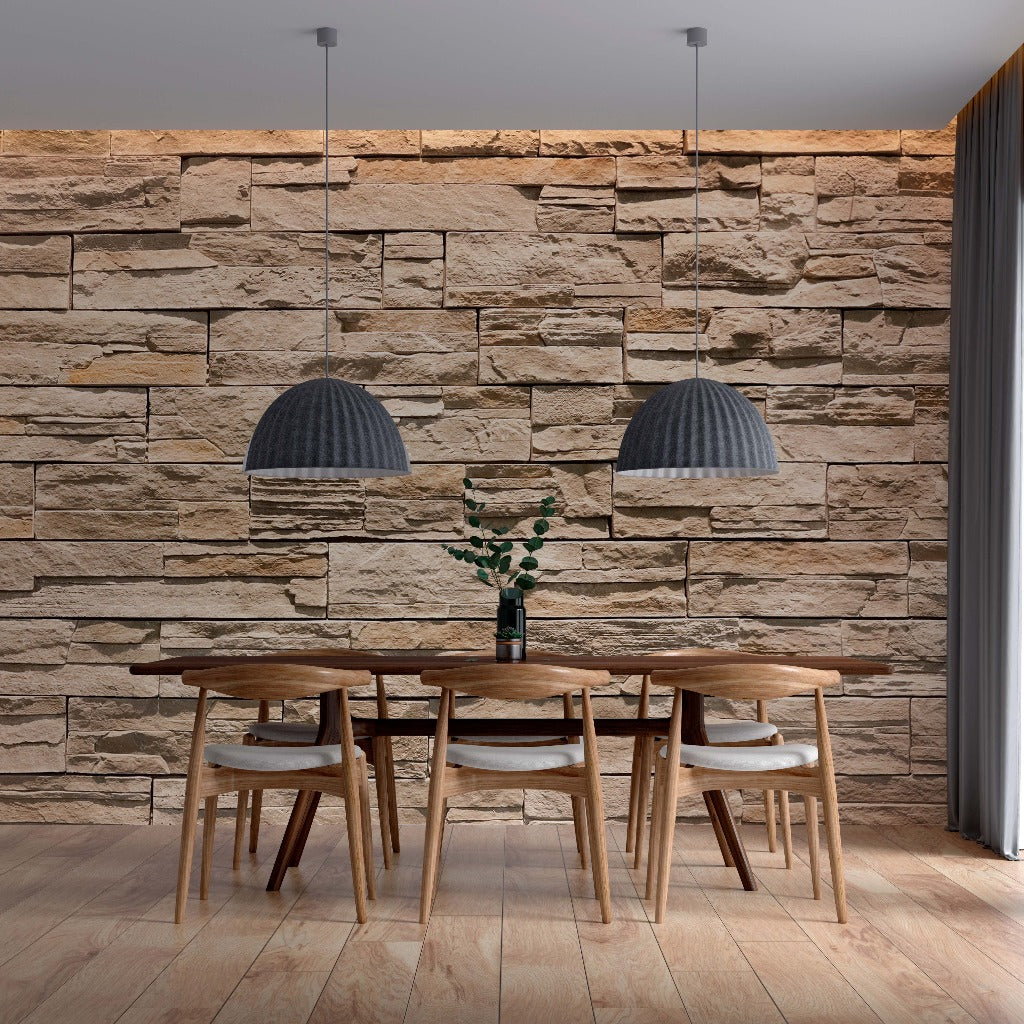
(511, 296)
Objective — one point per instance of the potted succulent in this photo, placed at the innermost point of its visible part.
(508, 645)
(495, 561)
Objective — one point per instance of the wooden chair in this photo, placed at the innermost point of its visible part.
(240, 767)
(378, 750)
(732, 733)
(695, 768)
(461, 767)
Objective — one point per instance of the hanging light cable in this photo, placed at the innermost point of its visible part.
(326, 428)
(697, 427)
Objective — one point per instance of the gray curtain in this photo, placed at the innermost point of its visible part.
(985, 473)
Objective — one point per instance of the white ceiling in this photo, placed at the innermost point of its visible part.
(497, 63)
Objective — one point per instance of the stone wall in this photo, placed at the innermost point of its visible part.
(511, 296)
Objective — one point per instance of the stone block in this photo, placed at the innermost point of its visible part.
(205, 424)
(885, 213)
(16, 500)
(59, 141)
(35, 271)
(525, 346)
(229, 142)
(926, 175)
(578, 143)
(426, 504)
(887, 502)
(33, 734)
(141, 502)
(737, 210)
(77, 799)
(577, 423)
(375, 142)
(895, 346)
(787, 142)
(576, 208)
(857, 176)
(499, 268)
(492, 170)
(928, 578)
(283, 508)
(226, 269)
(867, 406)
(771, 346)
(581, 579)
(919, 143)
(774, 260)
(116, 348)
(73, 424)
(931, 424)
(460, 424)
(413, 269)
(215, 191)
(76, 193)
(662, 173)
(798, 578)
(791, 504)
(372, 347)
(463, 142)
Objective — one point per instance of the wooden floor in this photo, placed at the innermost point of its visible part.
(936, 933)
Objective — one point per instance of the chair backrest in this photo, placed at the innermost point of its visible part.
(747, 682)
(518, 681)
(277, 681)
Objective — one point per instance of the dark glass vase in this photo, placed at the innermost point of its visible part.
(512, 613)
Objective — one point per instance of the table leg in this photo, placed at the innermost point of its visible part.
(302, 833)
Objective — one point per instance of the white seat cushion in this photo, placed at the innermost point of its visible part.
(739, 731)
(515, 759)
(273, 759)
(747, 759)
(283, 732)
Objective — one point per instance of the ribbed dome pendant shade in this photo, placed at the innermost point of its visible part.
(698, 427)
(326, 428)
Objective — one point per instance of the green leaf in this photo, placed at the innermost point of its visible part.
(470, 504)
(505, 563)
(481, 560)
(501, 531)
(505, 546)
(529, 562)
(467, 483)
(540, 527)
(483, 575)
(474, 521)
(477, 542)
(533, 544)
(526, 581)
(493, 561)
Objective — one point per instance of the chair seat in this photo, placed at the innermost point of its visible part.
(747, 759)
(284, 732)
(515, 759)
(273, 759)
(739, 731)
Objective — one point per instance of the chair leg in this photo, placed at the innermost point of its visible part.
(655, 831)
(189, 821)
(667, 829)
(367, 829)
(723, 845)
(643, 798)
(353, 820)
(431, 846)
(380, 781)
(769, 820)
(598, 843)
(787, 828)
(830, 807)
(209, 826)
(254, 819)
(634, 795)
(243, 802)
(579, 824)
(811, 812)
(392, 794)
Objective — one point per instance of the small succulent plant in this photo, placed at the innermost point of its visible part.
(508, 633)
(491, 555)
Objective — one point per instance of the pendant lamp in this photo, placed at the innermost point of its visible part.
(326, 428)
(697, 427)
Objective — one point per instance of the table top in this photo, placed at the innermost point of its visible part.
(414, 662)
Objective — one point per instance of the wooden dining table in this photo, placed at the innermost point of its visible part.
(414, 662)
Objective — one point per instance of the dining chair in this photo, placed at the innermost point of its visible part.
(216, 768)
(732, 733)
(695, 767)
(378, 750)
(566, 767)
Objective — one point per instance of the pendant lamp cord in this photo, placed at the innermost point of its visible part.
(696, 211)
(327, 178)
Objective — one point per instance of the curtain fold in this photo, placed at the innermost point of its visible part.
(985, 465)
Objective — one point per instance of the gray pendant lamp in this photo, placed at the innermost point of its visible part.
(326, 428)
(697, 427)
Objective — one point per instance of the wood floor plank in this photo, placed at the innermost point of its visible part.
(726, 997)
(457, 978)
(472, 871)
(21, 843)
